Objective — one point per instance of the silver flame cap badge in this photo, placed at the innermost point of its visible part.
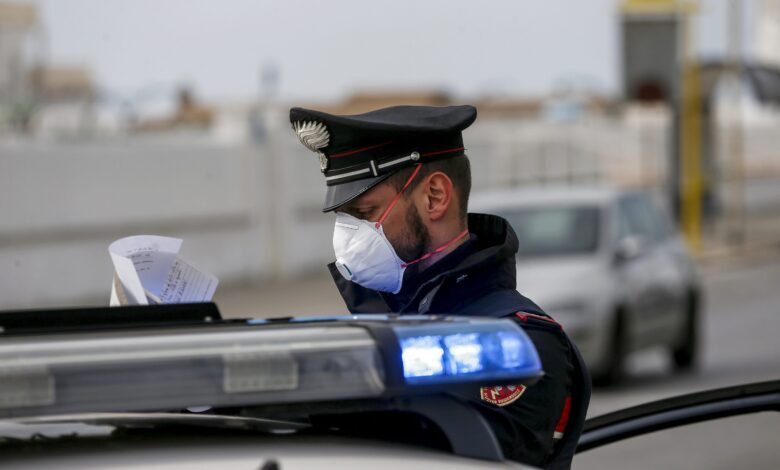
(314, 136)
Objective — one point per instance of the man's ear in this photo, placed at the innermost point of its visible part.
(438, 195)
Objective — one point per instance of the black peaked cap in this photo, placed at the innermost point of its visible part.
(357, 152)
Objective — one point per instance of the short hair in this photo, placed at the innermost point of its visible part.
(458, 169)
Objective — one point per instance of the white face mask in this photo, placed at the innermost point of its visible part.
(365, 256)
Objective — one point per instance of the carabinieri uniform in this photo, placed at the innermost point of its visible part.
(355, 153)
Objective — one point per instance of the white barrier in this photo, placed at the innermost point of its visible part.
(251, 211)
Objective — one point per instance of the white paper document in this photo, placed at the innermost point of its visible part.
(148, 270)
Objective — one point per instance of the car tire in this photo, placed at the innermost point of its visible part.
(614, 370)
(686, 355)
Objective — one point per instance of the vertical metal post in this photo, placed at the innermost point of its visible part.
(690, 139)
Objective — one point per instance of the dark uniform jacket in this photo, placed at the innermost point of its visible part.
(478, 279)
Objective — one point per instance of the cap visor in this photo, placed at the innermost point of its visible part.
(341, 194)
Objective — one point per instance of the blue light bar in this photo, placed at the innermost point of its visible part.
(466, 351)
(239, 365)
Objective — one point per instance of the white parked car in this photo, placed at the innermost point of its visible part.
(607, 264)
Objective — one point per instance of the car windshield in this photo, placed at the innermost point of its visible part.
(555, 230)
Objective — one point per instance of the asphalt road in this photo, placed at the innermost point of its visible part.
(741, 330)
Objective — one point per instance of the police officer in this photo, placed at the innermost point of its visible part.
(398, 180)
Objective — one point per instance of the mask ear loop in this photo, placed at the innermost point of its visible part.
(437, 250)
(398, 196)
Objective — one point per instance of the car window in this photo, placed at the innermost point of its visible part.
(556, 230)
(637, 217)
(664, 226)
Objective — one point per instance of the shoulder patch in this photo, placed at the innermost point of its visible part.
(501, 395)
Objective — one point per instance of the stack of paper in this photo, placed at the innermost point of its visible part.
(148, 270)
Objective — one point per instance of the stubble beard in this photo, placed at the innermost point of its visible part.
(417, 238)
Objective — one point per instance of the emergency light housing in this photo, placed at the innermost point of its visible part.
(256, 362)
(451, 353)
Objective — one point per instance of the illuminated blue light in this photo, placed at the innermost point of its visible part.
(504, 348)
(458, 351)
(465, 353)
(422, 356)
(512, 348)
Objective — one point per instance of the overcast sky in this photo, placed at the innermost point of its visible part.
(326, 49)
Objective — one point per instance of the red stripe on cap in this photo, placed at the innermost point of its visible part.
(564, 419)
(352, 152)
(371, 147)
(430, 154)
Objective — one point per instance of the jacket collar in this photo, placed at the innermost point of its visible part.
(486, 266)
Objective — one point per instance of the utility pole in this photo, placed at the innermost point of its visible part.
(690, 137)
(660, 66)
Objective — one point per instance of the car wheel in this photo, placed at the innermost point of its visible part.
(613, 371)
(686, 354)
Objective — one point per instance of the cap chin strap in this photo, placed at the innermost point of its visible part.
(393, 203)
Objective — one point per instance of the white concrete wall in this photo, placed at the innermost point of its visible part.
(629, 150)
(245, 212)
(62, 204)
(250, 212)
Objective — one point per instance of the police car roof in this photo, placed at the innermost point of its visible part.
(542, 196)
